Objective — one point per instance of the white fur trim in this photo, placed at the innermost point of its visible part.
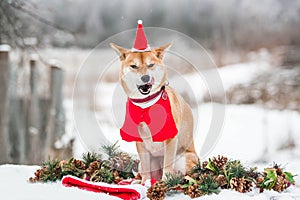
(144, 50)
(148, 103)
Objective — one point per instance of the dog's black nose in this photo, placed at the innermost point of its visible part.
(145, 78)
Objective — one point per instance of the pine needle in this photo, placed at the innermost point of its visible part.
(173, 179)
(90, 157)
(111, 150)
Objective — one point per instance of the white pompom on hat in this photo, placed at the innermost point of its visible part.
(140, 43)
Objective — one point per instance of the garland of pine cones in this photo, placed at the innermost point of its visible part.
(117, 167)
(205, 178)
(221, 173)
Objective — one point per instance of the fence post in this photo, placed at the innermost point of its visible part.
(55, 127)
(4, 104)
(34, 115)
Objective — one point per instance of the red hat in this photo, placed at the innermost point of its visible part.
(140, 43)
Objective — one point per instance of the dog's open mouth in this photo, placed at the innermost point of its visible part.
(145, 89)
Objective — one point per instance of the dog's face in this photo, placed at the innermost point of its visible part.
(142, 73)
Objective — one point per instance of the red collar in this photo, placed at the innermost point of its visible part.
(148, 98)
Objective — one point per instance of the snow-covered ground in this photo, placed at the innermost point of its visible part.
(14, 186)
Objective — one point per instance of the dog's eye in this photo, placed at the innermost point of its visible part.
(151, 65)
(133, 66)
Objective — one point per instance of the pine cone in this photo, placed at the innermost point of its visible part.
(79, 164)
(252, 173)
(241, 184)
(117, 178)
(33, 180)
(221, 180)
(193, 191)
(51, 171)
(279, 171)
(220, 161)
(36, 177)
(157, 191)
(204, 164)
(121, 161)
(281, 183)
(93, 167)
(62, 162)
(117, 163)
(260, 179)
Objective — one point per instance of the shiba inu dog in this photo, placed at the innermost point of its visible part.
(157, 118)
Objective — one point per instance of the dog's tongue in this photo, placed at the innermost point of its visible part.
(151, 82)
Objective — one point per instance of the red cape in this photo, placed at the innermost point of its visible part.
(158, 117)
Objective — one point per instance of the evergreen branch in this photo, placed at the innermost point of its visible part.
(111, 150)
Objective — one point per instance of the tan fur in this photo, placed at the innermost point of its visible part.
(159, 158)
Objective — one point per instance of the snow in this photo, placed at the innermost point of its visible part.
(291, 193)
(4, 48)
(229, 75)
(251, 132)
(242, 72)
(14, 186)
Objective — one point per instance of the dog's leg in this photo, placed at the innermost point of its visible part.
(144, 154)
(191, 157)
(145, 161)
(170, 147)
(156, 167)
(145, 133)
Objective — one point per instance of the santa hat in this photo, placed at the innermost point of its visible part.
(140, 43)
(123, 191)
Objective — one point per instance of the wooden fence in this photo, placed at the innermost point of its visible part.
(30, 124)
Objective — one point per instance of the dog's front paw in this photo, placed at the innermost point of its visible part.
(145, 177)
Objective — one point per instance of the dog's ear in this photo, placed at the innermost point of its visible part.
(160, 51)
(122, 52)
